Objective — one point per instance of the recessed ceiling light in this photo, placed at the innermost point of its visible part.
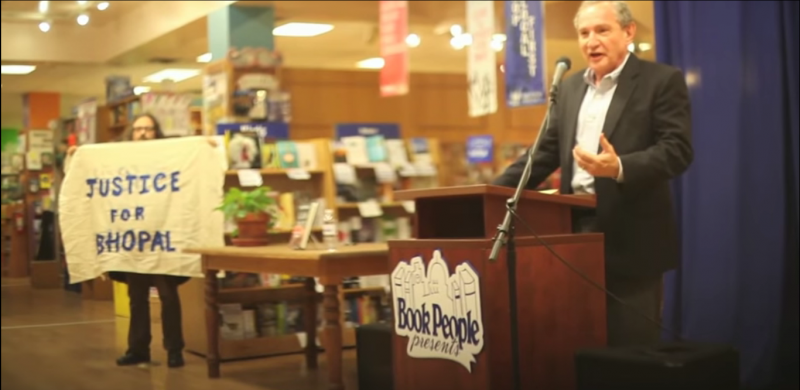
(17, 69)
(44, 26)
(103, 6)
(371, 63)
(204, 57)
(301, 29)
(413, 40)
(175, 75)
(44, 6)
(83, 19)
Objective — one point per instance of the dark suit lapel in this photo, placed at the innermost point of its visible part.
(626, 84)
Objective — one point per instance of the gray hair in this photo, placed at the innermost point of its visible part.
(624, 15)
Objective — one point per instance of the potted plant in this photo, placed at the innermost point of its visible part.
(254, 214)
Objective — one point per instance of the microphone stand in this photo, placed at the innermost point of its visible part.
(505, 236)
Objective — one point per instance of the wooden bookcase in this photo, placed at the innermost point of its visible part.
(321, 185)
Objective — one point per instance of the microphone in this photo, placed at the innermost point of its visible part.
(562, 66)
(505, 231)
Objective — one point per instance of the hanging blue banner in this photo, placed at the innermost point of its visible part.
(524, 66)
(387, 130)
(265, 130)
(480, 149)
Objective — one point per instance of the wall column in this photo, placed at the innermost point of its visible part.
(236, 27)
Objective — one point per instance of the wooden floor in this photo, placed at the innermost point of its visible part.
(51, 339)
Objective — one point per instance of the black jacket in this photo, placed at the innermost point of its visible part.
(649, 124)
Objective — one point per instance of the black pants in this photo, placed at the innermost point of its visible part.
(641, 296)
(139, 336)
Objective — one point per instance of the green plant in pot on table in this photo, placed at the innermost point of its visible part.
(254, 212)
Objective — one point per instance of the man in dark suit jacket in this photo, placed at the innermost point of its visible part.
(621, 129)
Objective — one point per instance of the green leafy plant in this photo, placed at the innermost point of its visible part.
(238, 204)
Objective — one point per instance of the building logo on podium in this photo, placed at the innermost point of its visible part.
(439, 312)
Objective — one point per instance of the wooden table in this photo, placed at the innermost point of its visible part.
(329, 267)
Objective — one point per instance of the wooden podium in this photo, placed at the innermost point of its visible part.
(558, 311)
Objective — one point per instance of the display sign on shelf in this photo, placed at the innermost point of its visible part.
(480, 149)
(387, 130)
(265, 130)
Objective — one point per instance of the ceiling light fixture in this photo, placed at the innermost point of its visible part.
(461, 41)
(44, 26)
(103, 6)
(82, 2)
(17, 69)
(83, 19)
(456, 30)
(141, 89)
(44, 6)
(370, 63)
(175, 75)
(496, 45)
(413, 40)
(204, 58)
(301, 29)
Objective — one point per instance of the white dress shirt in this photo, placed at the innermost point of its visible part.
(591, 118)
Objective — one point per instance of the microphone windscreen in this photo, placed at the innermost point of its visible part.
(566, 61)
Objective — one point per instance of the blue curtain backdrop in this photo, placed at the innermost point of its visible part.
(738, 203)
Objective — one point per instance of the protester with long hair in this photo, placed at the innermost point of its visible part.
(145, 127)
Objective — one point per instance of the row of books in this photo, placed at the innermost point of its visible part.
(365, 150)
(285, 318)
(263, 320)
(249, 150)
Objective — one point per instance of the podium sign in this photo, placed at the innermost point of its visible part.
(439, 312)
(452, 318)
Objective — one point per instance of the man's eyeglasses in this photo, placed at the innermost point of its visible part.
(143, 129)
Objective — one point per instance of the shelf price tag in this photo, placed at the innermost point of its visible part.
(344, 173)
(407, 170)
(385, 173)
(298, 174)
(250, 177)
(425, 169)
(370, 209)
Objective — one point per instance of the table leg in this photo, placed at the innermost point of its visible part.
(333, 336)
(311, 323)
(212, 324)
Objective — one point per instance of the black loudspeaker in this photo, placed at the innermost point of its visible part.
(374, 356)
(667, 366)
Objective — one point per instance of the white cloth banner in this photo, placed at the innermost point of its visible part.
(135, 206)
(481, 61)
